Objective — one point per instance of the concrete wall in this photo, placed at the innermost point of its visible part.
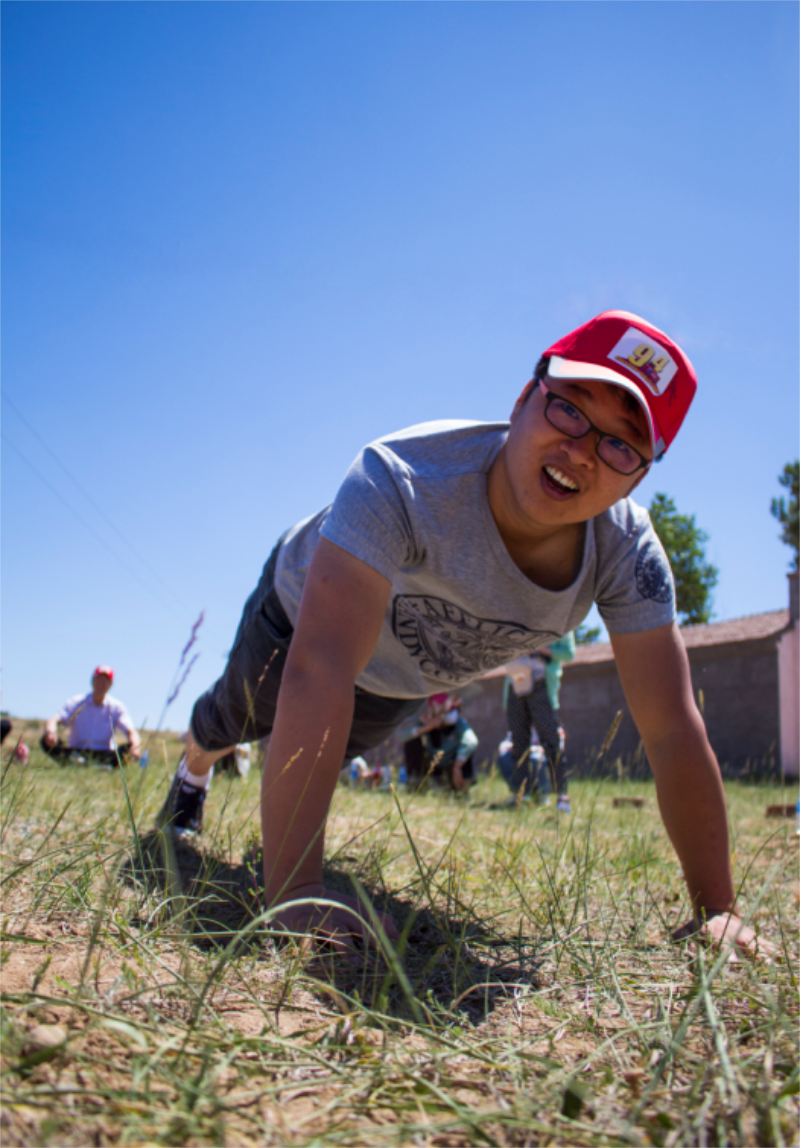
(740, 688)
(741, 703)
(591, 695)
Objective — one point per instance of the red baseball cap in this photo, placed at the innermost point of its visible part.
(104, 670)
(620, 348)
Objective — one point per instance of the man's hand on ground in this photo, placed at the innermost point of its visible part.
(727, 929)
(136, 751)
(50, 739)
(339, 926)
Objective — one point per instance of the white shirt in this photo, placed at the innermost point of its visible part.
(524, 672)
(92, 726)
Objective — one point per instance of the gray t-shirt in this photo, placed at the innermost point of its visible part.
(415, 506)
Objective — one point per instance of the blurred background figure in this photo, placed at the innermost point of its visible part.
(529, 779)
(359, 774)
(440, 744)
(531, 700)
(21, 752)
(236, 762)
(92, 720)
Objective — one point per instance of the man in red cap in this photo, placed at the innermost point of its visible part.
(452, 548)
(92, 719)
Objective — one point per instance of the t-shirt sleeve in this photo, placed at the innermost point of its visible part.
(370, 516)
(635, 590)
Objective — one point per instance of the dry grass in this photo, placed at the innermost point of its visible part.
(535, 997)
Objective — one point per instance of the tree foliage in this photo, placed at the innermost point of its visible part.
(684, 543)
(586, 635)
(785, 510)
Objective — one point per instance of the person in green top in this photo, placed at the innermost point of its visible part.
(441, 743)
(531, 700)
(562, 650)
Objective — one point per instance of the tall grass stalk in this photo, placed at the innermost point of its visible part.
(534, 996)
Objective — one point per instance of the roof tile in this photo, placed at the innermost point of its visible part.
(746, 629)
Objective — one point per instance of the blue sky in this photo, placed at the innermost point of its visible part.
(242, 240)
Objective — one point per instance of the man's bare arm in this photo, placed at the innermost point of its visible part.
(654, 670)
(341, 613)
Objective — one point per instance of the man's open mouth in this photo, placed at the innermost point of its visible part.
(559, 481)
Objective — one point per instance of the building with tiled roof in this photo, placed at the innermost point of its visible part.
(745, 677)
(750, 628)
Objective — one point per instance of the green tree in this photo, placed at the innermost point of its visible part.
(586, 635)
(683, 541)
(786, 511)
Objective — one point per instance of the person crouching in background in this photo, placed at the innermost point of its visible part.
(440, 744)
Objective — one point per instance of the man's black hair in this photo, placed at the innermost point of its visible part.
(539, 373)
(628, 400)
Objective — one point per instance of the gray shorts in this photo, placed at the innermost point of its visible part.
(241, 705)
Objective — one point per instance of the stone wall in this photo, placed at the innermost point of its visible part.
(740, 700)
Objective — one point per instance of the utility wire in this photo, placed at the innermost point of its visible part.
(91, 500)
(100, 539)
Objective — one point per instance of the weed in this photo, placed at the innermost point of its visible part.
(534, 996)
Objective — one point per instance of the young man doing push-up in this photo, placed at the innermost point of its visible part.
(452, 548)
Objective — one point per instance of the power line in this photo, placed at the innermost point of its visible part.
(154, 573)
(91, 529)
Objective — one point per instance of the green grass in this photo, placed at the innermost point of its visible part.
(535, 997)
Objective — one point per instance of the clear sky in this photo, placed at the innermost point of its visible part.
(242, 240)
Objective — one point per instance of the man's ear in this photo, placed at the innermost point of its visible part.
(518, 405)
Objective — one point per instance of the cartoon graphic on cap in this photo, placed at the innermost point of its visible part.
(646, 358)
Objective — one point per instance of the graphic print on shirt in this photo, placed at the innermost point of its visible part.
(653, 574)
(453, 645)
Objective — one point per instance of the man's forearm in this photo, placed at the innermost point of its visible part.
(692, 803)
(306, 752)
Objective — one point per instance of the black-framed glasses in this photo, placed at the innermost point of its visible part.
(615, 452)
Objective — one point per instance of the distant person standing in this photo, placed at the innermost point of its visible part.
(532, 700)
(92, 720)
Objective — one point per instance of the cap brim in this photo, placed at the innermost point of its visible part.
(558, 368)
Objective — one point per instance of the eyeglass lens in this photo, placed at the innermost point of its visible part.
(573, 422)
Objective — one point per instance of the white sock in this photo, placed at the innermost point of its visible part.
(198, 780)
